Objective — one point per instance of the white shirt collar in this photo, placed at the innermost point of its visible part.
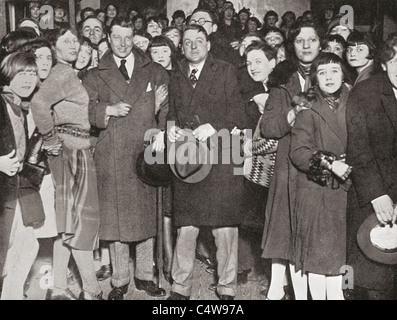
(199, 67)
(130, 59)
(395, 92)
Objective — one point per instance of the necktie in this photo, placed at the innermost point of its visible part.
(193, 78)
(123, 70)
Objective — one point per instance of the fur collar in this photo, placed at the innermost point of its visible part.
(282, 73)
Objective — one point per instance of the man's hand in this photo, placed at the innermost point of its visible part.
(383, 207)
(203, 132)
(8, 164)
(120, 109)
(341, 169)
(174, 133)
(158, 144)
(260, 100)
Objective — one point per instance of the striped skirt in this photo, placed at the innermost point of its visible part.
(76, 198)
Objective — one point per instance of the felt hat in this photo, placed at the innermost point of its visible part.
(190, 159)
(369, 246)
(153, 174)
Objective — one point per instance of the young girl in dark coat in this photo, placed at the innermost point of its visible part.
(318, 144)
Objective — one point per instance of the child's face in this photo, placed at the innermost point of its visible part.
(59, 13)
(24, 83)
(252, 27)
(357, 56)
(258, 66)
(161, 55)
(179, 21)
(329, 77)
(84, 57)
(335, 47)
(43, 61)
(138, 24)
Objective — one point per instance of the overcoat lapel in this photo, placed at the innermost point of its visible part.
(331, 118)
(139, 79)
(111, 75)
(389, 101)
(203, 84)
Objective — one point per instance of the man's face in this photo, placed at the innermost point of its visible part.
(195, 46)
(201, 16)
(391, 69)
(92, 29)
(120, 41)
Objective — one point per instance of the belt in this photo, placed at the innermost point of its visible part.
(73, 131)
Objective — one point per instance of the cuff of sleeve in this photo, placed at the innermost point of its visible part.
(101, 117)
(381, 198)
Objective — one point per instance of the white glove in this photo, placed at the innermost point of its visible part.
(383, 207)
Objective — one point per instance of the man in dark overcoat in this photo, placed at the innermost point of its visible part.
(371, 118)
(122, 106)
(205, 90)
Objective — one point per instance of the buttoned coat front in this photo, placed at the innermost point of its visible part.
(215, 201)
(371, 118)
(127, 205)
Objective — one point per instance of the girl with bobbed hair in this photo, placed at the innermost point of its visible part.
(253, 25)
(60, 111)
(21, 208)
(360, 54)
(318, 146)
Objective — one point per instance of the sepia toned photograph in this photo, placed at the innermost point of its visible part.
(202, 150)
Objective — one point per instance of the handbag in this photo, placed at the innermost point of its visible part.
(259, 168)
(35, 167)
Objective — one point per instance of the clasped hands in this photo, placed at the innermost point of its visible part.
(201, 133)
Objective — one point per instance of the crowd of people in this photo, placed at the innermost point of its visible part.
(311, 103)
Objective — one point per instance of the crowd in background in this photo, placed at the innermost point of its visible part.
(308, 134)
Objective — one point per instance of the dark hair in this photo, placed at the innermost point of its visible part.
(179, 14)
(388, 50)
(130, 9)
(270, 13)
(123, 22)
(327, 58)
(32, 45)
(288, 13)
(91, 17)
(274, 29)
(86, 9)
(14, 40)
(256, 20)
(154, 19)
(17, 62)
(197, 28)
(143, 33)
(270, 53)
(363, 38)
(113, 5)
(296, 30)
(206, 11)
(163, 16)
(98, 11)
(52, 35)
(161, 41)
(334, 38)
